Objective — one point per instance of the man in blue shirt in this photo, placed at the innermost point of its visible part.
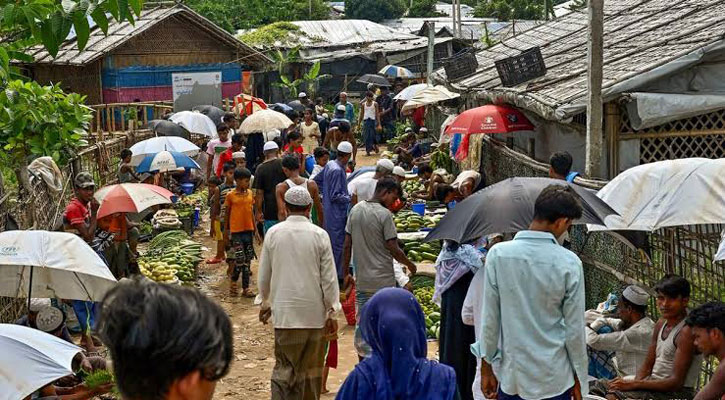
(349, 108)
(533, 319)
(560, 167)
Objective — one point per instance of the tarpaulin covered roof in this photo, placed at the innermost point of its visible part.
(644, 40)
(345, 32)
(100, 44)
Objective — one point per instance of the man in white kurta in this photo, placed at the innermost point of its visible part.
(299, 289)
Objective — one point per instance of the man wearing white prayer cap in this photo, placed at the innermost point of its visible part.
(399, 173)
(628, 336)
(299, 290)
(362, 187)
(266, 178)
(332, 181)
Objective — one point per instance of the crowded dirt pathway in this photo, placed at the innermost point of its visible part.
(253, 358)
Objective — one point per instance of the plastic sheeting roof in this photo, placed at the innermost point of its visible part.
(345, 32)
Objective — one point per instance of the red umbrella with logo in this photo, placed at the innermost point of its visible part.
(487, 119)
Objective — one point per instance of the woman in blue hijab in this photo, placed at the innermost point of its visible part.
(393, 324)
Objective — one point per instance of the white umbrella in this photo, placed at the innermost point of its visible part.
(51, 264)
(430, 95)
(195, 122)
(264, 121)
(157, 144)
(648, 197)
(410, 91)
(31, 359)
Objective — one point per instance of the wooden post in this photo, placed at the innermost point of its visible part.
(108, 119)
(145, 116)
(611, 126)
(595, 75)
(99, 120)
(123, 118)
(113, 120)
(431, 49)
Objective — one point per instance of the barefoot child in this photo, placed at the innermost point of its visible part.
(216, 228)
(240, 230)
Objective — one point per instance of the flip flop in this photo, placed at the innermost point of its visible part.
(213, 261)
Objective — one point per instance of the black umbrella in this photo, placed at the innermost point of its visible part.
(296, 105)
(377, 80)
(508, 206)
(164, 127)
(214, 113)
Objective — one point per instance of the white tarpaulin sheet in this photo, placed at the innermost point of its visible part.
(31, 359)
(428, 96)
(687, 191)
(63, 266)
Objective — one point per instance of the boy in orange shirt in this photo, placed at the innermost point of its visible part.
(240, 231)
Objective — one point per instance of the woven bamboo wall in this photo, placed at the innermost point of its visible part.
(85, 80)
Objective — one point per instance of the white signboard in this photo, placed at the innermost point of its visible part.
(192, 89)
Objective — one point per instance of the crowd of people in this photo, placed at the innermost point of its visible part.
(513, 317)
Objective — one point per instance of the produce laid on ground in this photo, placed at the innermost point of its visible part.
(408, 221)
(166, 219)
(199, 199)
(418, 251)
(413, 186)
(171, 258)
(423, 287)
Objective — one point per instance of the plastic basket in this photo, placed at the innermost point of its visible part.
(461, 64)
(521, 68)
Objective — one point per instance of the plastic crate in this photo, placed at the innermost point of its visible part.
(521, 68)
(187, 224)
(461, 64)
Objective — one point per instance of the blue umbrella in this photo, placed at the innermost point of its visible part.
(166, 161)
(394, 71)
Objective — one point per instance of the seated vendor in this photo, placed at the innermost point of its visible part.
(431, 179)
(465, 184)
(629, 335)
(672, 366)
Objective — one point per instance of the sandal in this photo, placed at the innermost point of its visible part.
(234, 289)
(248, 293)
(213, 260)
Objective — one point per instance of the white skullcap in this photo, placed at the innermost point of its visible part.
(36, 304)
(49, 319)
(341, 108)
(343, 93)
(302, 94)
(239, 154)
(399, 171)
(325, 116)
(408, 129)
(271, 145)
(385, 164)
(345, 147)
(423, 129)
(298, 196)
(636, 295)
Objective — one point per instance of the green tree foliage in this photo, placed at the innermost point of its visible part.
(375, 10)
(506, 10)
(423, 9)
(246, 14)
(39, 121)
(284, 33)
(24, 23)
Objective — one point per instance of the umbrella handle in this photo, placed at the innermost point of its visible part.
(30, 288)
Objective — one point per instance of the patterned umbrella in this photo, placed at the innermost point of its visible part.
(156, 144)
(164, 161)
(130, 198)
(396, 72)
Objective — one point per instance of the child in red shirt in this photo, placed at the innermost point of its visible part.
(294, 146)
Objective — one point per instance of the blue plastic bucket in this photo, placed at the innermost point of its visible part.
(309, 163)
(451, 205)
(187, 188)
(418, 208)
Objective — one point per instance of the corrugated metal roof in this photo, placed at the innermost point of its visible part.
(639, 36)
(345, 32)
(119, 33)
(472, 28)
(368, 50)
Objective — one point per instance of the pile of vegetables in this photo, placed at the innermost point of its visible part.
(441, 159)
(171, 257)
(413, 186)
(423, 288)
(408, 221)
(200, 199)
(417, 251)
(100, 378)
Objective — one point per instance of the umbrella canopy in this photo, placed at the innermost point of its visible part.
(245, 104)
(296, 105)
(164, 127)
(264, 121)
(490, 119)
(213, 112)
(156, 144)
(165, 161)
(377, 80)
(58, 264)
(31, 359)
(130, 198)
(429, 95)
(508, 206)
(394, 71)
(410, 91)
(687, 191)
(195, 122)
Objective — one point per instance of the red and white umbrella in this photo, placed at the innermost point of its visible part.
(487, 119)
(130, 198)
